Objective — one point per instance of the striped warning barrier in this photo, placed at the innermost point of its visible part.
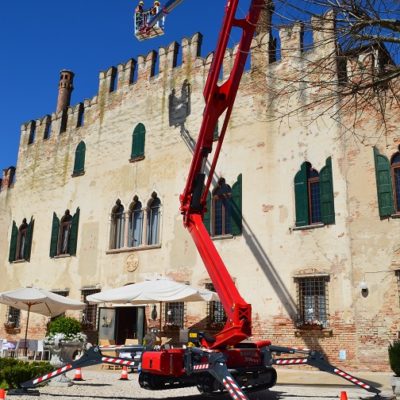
(201, 366)
(288, 361)
(233, 389)
(352, 379)
(52, 374)
(117, 361)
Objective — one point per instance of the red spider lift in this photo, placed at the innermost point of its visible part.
(226, 362)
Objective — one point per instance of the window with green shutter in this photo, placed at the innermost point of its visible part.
(13, 243)
(221, 209)
(55, 227)
(79, 164)
(64, 234)
(383, 184)
(301, 195)
(314, 197)
(207, 214)
(73, 239)
(21, 241)
(395, 167)
(236, 207)
(326, 193)
(28, 245)
(138, 142)
(224, 209)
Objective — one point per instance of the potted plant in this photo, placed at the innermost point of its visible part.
(64, 339)
(394, 360)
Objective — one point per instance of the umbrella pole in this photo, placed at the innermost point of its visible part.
(160, 318)
(26, 332)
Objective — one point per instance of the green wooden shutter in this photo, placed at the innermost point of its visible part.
(138, 139)
(207, 214)
(383, 184)
(28, 245)
(73, 239)
(55, 228)
(326, 193)
(236, 209)
(79, 165)
(301, 196)
(13, 243)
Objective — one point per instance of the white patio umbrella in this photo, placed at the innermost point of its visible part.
(153, 291)
(39, 301)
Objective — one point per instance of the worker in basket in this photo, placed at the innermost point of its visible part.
(155, 7)
(139, 10)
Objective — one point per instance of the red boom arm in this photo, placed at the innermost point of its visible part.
(219, 99)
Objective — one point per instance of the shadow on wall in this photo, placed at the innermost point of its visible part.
(179, 107)
(179, 110)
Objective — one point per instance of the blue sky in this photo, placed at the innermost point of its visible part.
(40, 38)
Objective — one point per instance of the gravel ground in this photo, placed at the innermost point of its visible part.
(102, 384)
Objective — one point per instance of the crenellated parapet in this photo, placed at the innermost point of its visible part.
(159, 71)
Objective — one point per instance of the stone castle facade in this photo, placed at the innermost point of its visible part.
(95, 202)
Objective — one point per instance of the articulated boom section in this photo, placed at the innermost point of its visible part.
(219, 100)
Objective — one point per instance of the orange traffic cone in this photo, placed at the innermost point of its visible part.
(2, 394)
(78, 375)
(343, 396)
(124, 374)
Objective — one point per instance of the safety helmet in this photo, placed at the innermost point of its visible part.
(156, 3)
(141, 3)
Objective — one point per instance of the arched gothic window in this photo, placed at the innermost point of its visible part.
(79, 164)
(153, 219)
(117, 226)
(138, 142)
(64, 234)
(136, 217)
(224, 209)
(21, 241)
(314, 195)
(221, 215)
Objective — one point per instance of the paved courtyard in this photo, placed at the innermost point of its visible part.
(292, 385)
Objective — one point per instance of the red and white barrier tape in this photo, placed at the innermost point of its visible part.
(118, 361)
(291, 361)
(201, 366)
(233, 389)
(351, 378)
(52, 374)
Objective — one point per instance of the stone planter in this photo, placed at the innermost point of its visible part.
(395, 384)
(62, 353)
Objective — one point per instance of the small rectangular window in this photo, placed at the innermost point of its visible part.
(89, 317)
(175, 314)
(13, 317)
(312, 300)
(215, 310)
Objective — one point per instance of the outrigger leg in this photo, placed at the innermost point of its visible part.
(317, 360)
(92, 356)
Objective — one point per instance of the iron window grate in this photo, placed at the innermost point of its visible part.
(174, 314)
(215, 310)
(89, 316)
(312, 300)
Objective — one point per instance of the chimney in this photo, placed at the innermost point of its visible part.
(65, 88)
